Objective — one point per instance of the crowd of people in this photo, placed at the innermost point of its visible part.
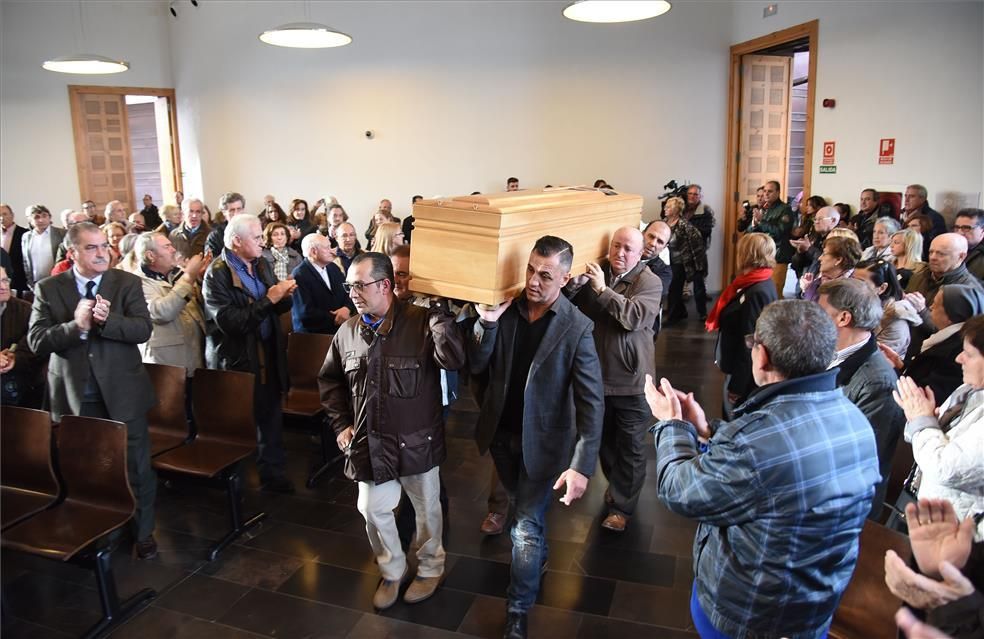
(883, 343)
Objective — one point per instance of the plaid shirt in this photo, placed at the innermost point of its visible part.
(781, 494)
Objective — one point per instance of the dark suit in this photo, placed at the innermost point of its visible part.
(18, 280)
(102, 375)
(563, 407)
(314, 301)
(56, 236)
(22, 384)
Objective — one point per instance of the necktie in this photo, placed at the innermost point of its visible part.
(88, 290)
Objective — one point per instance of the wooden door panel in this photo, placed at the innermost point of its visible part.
(764, 126)
(103, 148)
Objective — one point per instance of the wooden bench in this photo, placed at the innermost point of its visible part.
(27, 475)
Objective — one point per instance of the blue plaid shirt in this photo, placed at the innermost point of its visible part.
(781, 495)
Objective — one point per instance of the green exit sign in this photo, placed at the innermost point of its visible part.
(829, 168)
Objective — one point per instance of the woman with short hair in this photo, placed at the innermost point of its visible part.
(840, 255)
(277, 252)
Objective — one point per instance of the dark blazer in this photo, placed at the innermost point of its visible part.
(936, 367)
(737, 320)
(313, 301)
(563, 404)
(56, 234)
(109, 353)
(216, 239)
(233, 333)
(18, 280)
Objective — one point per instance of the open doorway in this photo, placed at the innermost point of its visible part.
(126, 144)
(770, 126)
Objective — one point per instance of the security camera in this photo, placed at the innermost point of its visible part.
(370, 134)
(170, 8)
(194, 3)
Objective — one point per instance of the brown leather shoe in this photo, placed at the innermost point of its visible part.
(387, 593)
(420, 589)
(494, 524)
(615, 522)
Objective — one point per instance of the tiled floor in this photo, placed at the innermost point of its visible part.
(307, 571)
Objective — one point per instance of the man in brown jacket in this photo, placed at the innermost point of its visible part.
(381, 388)
(622, 298)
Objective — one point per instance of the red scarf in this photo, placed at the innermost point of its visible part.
(740, 283)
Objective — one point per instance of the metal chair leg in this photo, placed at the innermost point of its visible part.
(239, 527)
(115, 611)
(327, 458)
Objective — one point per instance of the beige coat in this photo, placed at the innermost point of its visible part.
(178, 337)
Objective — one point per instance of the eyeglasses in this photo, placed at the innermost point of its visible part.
(751, 341)
(963, 229)
(5, 280)
(359, 286)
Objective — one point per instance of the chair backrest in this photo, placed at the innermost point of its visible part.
(867, 608)
(92, 460)
(306, 354)
(169, 413)
(902, 463)
(25, 456)
(222, 402)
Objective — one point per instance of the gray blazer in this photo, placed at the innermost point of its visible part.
(110, 353)
(57, 236)
(564, 403)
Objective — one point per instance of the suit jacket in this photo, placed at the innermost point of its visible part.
(109, 353)
(57, 235)
(314, 301)
(178, 338)
(18, 281)
(563, 402)
(937, 368)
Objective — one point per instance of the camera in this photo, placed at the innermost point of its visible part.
(370, 134)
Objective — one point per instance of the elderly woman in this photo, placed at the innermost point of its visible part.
(170, 219)
(389, 235)
(898, 314)
(948, 445)
(881, 239)
(907, 249)
(688, 260)
(840, 256)
(281, 257)
(736, 311)
(115, 231)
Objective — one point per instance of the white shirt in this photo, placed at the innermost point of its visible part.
(323, 272)
(42, 260)
(80, 284)
(841, 356)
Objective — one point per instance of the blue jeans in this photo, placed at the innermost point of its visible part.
(531, 499)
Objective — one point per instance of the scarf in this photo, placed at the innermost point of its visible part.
(737, 285)
(280, 260)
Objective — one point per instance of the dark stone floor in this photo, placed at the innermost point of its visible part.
(307, 571)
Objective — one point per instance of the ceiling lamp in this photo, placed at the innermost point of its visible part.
(86, 63)
(615, 10)
(305, 35)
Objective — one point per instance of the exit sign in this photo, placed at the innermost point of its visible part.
(828, 168)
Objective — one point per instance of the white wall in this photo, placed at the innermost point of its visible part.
(37, 152)
(905, 70)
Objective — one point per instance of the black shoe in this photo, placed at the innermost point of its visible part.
(515, 626)
(280, 485)
(146, 549)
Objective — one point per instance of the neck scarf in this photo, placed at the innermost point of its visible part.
(739, 284)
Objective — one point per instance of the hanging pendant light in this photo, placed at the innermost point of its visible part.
(85, 63)
(305, 35)
(615, 10)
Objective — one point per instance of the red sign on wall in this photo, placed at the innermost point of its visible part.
(886, 151)
(828, 153)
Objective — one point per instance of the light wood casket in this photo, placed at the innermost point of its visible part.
(476, 247)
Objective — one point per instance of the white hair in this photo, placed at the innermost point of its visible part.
(146, 243)
(238, 227)
(309, 241)
(186, 203)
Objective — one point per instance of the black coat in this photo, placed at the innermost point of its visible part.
(314, 301)
(937, 367)
(737, 320)
(18, 280)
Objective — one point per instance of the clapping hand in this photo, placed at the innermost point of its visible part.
(100, 310)
(892, 357)
(83, 314)
(596, 277)
(666, 402)
(917, 301)
(915, 401)
(920, 591)
(937, 535)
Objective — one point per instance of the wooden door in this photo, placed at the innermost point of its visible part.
(102, 148)
(763, 151)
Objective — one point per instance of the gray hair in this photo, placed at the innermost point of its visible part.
(858, 298)
(186, 203)
(230, 197)
(920, 189)
(238, 227)
(109, 208)
(73, 236)
(890, 223)
(799, 337)
(146, 242)
(309, 241)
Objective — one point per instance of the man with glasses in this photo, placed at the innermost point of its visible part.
(90, 320)
(810, 247)
(381, 389)
(781, 491)
(243, 304)
(970, 224)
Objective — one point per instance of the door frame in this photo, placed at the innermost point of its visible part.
(74, 90)
(810, 31)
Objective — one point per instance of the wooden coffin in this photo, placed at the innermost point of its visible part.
(476, 247)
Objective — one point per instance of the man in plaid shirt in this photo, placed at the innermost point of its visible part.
(781, 492)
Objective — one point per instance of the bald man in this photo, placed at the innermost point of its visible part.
(947, 254)
(622, 296)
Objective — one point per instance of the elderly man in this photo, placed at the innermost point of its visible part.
(63, 261)
(776, 220)
(231, 205)
(348, 246)
(336, 217)
(914, 203)
(136, 223)
(320, 302)
(12, 237)
(864, 221)
(39, 246)
(381, 388)
(190, 236)
(810, 247)
(152, 218)
(970, 224)
(781, 492)
(622, 298)
(174, 300)
(243, 302)
(947, 253)
(115, 212)
(542, 412)
(865, 376)
(20, 370)
(700, 215)
(90, 321)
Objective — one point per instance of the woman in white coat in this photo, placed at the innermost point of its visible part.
(948, 445)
